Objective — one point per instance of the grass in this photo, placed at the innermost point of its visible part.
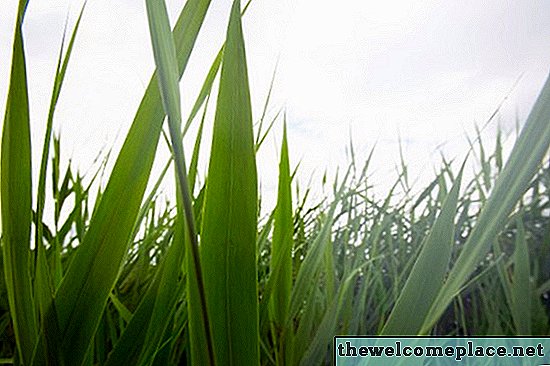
(125, 278)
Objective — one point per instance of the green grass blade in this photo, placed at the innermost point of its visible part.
(84, 291)
(44, 287)
(16, 200)
(193, 166)
(121, 308)
(207, 84)
(129, 346)
(428, 272)
(316, 351)
(524, 161)
(259, 138)
(164, 51)
(311, 266)
(169, 291)
(228, 246)
(165, 59)
(521, 291)
(205, 89)
(141, 338)
(281, 252)
(283, 229)
(62, 65)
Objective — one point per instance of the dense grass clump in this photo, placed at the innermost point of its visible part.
(120, 276)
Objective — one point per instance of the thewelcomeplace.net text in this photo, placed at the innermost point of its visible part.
(347, 349)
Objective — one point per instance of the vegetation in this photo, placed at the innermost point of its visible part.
(124, 278)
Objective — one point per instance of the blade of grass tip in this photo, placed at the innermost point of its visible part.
(16, 199)
(266, 105)
(62, 65)
(165, 58)
(44, 288)
(228, 235)
(351, 149)
(205, 89)
(523, 162)
(428, 272)
(269, 127)
(196, 150)
(83, 294)
(282, 240)
(281, 254)
(43, 277)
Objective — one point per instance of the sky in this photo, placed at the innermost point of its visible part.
(419, 72)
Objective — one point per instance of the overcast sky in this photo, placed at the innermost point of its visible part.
(422, 70)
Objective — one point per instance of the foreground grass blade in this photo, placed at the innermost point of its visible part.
(428, 272)
(281, 252)
(524, 160)
(44, 286)
(82, 295)
(228, 246)
(16, 201)
(165, 59)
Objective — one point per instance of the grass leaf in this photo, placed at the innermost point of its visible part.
(514, 179)
(228, 245)
(16, 199)
(428, 272)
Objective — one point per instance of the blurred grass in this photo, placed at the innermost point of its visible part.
(125, 278)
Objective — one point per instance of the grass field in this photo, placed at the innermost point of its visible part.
(120, 277)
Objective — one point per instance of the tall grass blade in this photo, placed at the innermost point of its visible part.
(16, 199)
(282, 241)
(165, 58)
(281, 252)
(524, 160)
(228, 246)
(62, 65)
(428, 272)
(44, 285)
